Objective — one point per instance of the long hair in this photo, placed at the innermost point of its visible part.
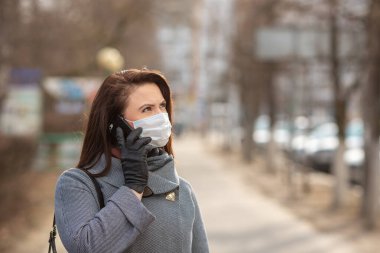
(109, 102)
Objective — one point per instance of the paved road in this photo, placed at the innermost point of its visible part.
(238, 219)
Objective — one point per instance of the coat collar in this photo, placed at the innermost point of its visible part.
(162, 178)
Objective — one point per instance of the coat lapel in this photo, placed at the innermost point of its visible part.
(164, 179)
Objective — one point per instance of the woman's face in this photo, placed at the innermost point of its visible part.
(144, 101)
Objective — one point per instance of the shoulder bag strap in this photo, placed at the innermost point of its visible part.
(53, 232)
(52, 235)
(97, 188)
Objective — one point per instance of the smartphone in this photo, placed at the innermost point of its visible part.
(119, 122)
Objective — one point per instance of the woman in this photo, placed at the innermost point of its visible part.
(148, 208)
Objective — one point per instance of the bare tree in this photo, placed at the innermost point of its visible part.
(9, 31)
(340, 170)
(337, 19)
(63, 39)
(342, 94)
(371, 112)
(248, 73)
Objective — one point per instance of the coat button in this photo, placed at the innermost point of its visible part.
(170, 196)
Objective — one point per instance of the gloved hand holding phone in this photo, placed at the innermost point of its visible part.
(134, 150)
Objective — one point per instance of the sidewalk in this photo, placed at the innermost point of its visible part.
(239, 219)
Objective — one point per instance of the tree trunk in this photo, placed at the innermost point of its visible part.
(272, 111)
(247, 139)
(9, 29)
(372, 173)
(341, 175)
(250, 108)
(339, 169)
(371, 112)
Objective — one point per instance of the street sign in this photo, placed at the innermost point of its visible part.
(66, 99)
(287, 43)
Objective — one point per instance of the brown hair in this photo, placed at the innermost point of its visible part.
(109, 102)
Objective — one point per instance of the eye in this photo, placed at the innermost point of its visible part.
(163, 105)
(147, 109)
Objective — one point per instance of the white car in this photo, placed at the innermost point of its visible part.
(321, 146)
(262, 134)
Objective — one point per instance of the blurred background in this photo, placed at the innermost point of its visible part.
(290, 87)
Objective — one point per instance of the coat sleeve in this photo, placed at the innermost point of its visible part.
(200, 242)
(82, 227)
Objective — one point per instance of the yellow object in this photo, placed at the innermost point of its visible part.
(170, 196)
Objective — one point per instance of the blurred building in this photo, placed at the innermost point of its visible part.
(194, 42)
(21, 111)
(218, 99)
(174, 35)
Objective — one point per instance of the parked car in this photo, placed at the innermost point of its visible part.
(262, 134)
(282, 134)
(323, 142)
(315, 147)
(354, 154)
(321, 146)
(295, 150)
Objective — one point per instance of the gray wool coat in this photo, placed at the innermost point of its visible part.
(168, 221)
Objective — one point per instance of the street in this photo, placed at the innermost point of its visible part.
(237, 218)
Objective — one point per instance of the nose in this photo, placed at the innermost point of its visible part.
(157, 110)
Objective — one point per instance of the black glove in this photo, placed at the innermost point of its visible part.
(134, 151)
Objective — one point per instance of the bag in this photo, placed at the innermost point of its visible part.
(53, 232)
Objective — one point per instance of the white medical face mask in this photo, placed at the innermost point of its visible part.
(157, 127)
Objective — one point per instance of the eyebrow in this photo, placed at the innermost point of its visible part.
(144, 105)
